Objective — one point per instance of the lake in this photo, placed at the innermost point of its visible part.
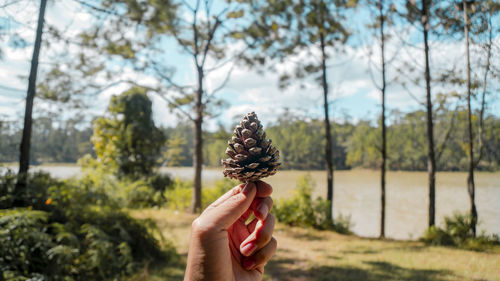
(357, 194)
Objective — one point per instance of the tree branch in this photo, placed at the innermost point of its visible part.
(410, 93)
(440, 148)
(176, 105)
(95, 8)
(222, 85)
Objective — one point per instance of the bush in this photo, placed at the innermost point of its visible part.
(139, 193)
(71, 232)
(179, 197)
(458, 232)
(211, 194)
(302, 210)
(34, 196)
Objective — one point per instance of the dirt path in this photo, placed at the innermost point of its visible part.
(307, 254)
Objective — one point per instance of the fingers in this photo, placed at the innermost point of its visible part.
(261, 257)
(233, 191)
(225, 213)
(259, 238)
(261, 207)
(263, 189)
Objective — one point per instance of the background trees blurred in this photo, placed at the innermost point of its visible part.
(128, 142)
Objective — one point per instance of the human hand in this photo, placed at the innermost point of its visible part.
(222, 247)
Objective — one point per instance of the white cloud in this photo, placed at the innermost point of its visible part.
(348, 77)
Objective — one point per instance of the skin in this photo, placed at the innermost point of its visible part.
(222, 247)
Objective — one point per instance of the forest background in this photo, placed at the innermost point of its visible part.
(126, 87)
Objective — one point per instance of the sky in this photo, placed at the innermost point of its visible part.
(352, 92)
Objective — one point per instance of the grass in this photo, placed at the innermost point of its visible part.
(307, 254)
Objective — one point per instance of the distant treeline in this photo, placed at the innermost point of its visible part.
(301, 142)
(49, 143)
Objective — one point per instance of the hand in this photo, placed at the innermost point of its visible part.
(222, 247)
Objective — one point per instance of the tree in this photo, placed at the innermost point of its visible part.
(24, 149)
(285, 29)
(423, 14)
(379, 25)
(472, 19)
(470, 178)
(128, 142)
(203, 38)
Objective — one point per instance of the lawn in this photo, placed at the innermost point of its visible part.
(307, 254)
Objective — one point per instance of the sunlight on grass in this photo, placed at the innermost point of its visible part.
(308, 254)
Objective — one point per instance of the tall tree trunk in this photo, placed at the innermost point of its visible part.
(384, 138)
(198, 144)
(328, 135)
(24, 149)
(431, 160)
(483, 95)
(470, 177)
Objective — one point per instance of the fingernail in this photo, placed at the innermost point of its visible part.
(248, 263)
(248, 249)
(263, 210)
(247, 188)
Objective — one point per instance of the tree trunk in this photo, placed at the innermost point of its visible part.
(470, 177)
(24, 148)
(328, 135)
(483, 96)
(431, 160)
(384, 139)
(198, 145)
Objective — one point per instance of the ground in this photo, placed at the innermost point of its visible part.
(308, 254)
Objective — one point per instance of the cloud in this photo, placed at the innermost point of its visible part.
(350, 83)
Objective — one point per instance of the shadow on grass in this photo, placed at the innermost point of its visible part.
(287, 270)
(305, 235)
(360, 251)
(171, 269)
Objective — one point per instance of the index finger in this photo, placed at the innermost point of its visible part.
(263, 190)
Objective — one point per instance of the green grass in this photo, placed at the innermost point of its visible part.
(307, 254)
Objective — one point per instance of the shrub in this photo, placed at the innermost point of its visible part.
(302, 210)
(139, 193)
(71, 232)
(211, 194)
(458, 232)
(35, 194)
(179, 197)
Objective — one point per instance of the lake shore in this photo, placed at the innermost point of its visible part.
(357, 193)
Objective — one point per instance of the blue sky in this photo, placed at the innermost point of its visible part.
(352, 91)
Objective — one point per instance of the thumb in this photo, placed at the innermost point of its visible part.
(227, 212)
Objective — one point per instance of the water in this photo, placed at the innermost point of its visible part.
(357, 194)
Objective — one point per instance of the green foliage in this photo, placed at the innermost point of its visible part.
(300, 141)
(302, 210)
(179, 197)
(139, 193)
(72, 231)
(220, 187)
(457, 232)
(34, 196)
(128, 141)
(65, 142)
(362, 147)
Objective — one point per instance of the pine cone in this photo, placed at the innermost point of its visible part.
(252, 156)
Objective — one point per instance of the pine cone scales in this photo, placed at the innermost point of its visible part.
(252, 156)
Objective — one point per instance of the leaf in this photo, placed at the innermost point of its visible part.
(274, 26)
(237, 35)
(235, 14)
